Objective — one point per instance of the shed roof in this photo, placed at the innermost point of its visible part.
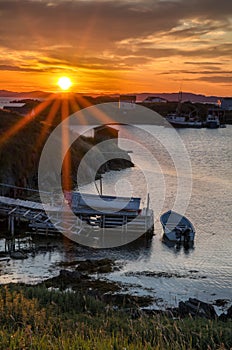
(102, 127)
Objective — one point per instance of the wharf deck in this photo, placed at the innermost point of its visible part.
(38, 216)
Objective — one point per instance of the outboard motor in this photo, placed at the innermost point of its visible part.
(186, 235)
(178, 234)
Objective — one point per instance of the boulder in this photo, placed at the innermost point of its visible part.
(226, 316)
(195, 307)
(70, 275)
(229, 312)
(96, 266)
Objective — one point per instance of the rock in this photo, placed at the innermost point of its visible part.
(221, 302)
(18, 255)
(195, 307)
(223, 317)
(126, 300)
(104, 269)
(99, 266)
(226, 316)
(229, 313)
(71, 275)
(81, 282)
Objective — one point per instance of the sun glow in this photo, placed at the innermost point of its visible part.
(64, 83)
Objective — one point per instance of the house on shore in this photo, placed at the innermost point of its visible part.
(155, 99)
(14, 107)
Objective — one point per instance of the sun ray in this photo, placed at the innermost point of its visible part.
(77, 108)
(100, 116)
(66, 167)
(80, 102)
(26, 120)
(47, 124)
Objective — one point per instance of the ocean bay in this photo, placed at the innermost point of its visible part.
(168, 274)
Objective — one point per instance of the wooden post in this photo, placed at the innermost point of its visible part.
(12, 226)
(52, 202)
(126, 222)
(9, 219)
(148, 203)
(101, 189)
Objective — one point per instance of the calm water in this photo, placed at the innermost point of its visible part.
(6, 101)
(164, 170)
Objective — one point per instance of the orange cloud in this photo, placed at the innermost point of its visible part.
(109, 46)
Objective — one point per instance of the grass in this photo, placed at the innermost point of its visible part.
(35, 318)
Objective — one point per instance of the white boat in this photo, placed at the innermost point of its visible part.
(195, 123)
(212, 120)
(183, 121)
(177, 228)
(179, 119)
(215, 118)
(176, 120)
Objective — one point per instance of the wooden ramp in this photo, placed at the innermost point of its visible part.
(63, 218)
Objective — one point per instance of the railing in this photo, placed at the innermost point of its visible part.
(12, 191)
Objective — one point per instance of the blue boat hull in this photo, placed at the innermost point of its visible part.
(177, 228)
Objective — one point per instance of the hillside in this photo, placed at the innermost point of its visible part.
(186, 96)
(29, 94)
(20, 152)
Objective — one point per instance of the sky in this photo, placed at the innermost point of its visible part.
(118, 46)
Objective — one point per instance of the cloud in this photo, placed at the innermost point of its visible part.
(204, 63)
(217, 79)
(199, 72)
(96, 25)
(47, 36)
(209, 51)
(20, 69)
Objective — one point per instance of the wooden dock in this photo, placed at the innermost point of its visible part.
(37, 216)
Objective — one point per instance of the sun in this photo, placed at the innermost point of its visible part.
(64, 83)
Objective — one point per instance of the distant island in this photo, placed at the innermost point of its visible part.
(172, 97)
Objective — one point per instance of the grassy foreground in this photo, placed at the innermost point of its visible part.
(35, 318)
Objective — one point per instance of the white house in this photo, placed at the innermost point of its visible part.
(155, 99)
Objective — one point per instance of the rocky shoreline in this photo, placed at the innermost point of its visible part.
(83, 276)
(90, 277)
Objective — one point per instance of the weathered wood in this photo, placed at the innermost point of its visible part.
(34, 213)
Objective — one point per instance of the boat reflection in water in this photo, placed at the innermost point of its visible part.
(187, 247)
